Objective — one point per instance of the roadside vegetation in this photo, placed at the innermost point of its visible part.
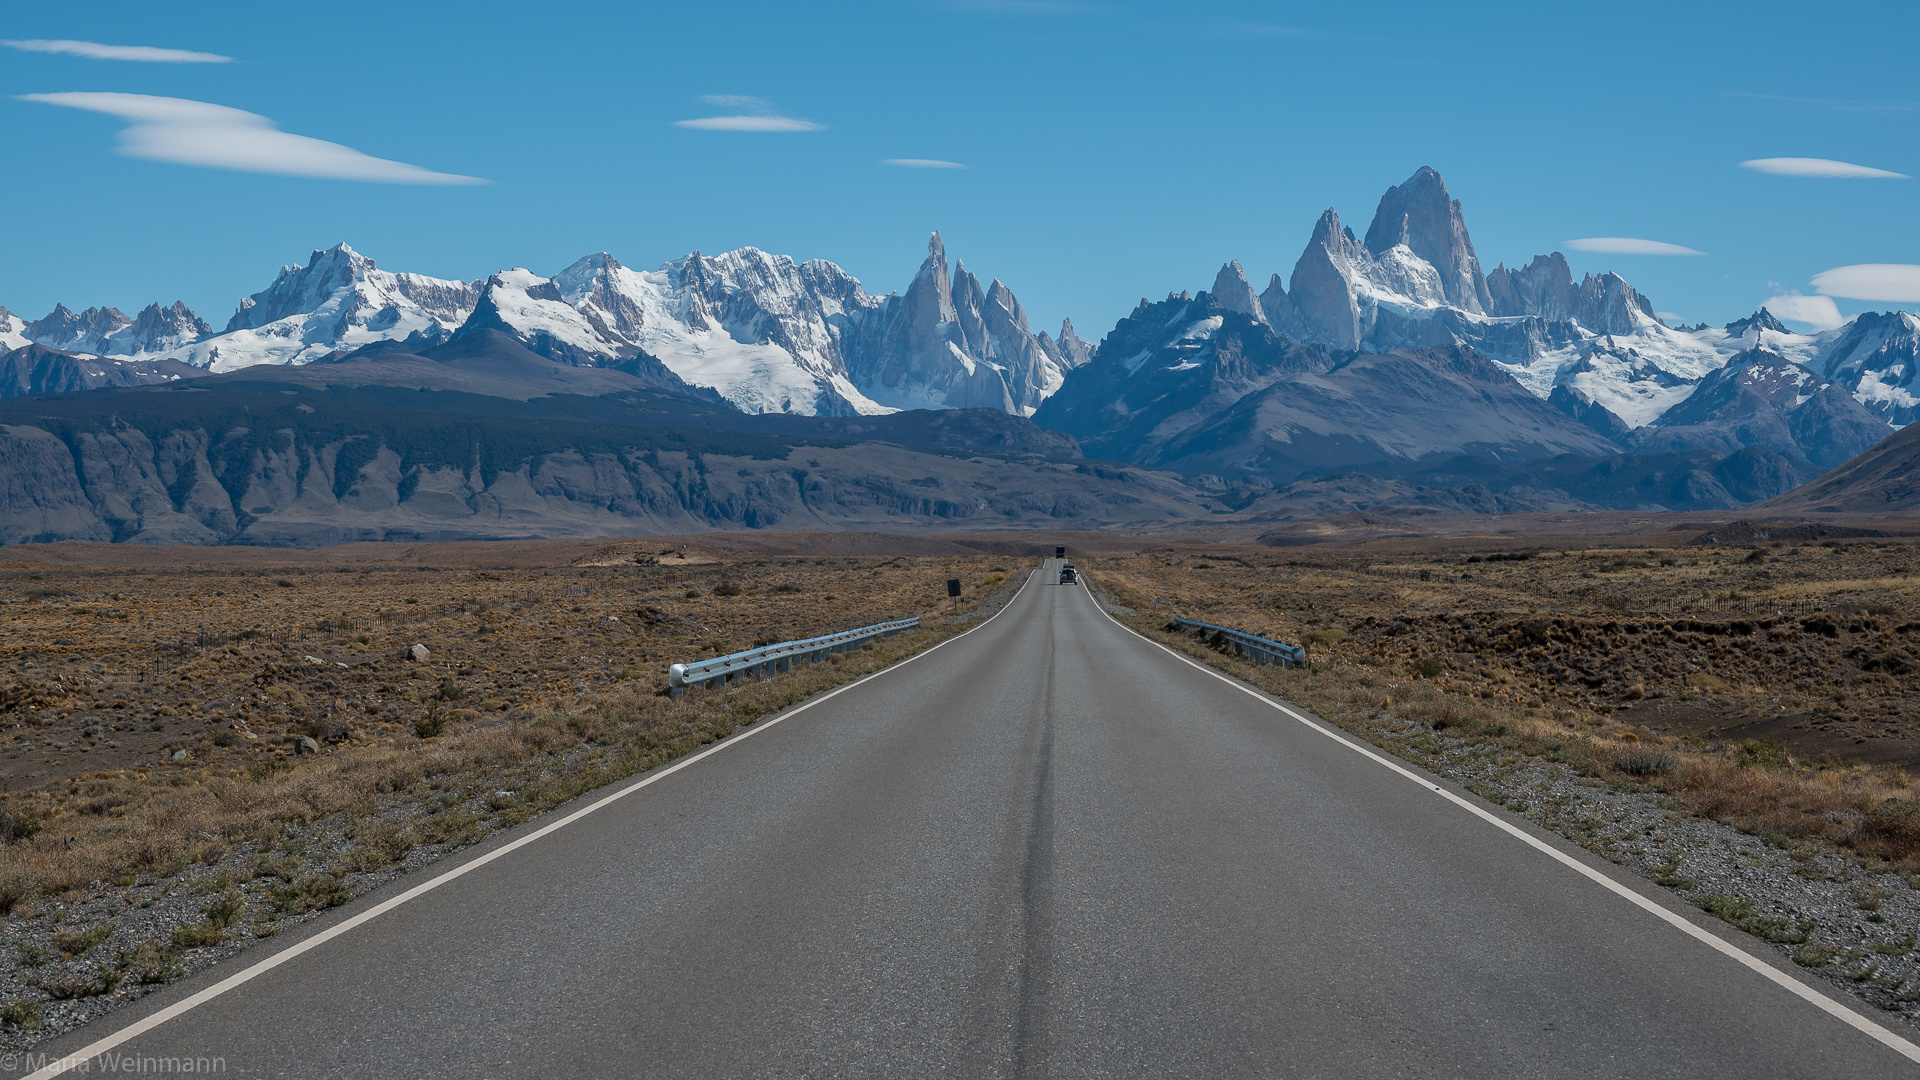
(1536, 696)
(1784, 704)
(271, 775)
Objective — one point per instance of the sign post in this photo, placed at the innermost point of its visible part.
(953, 590)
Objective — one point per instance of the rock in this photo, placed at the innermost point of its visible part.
(1421, 215)
(179, 755)
(419, 653)
(1232, 292)
(306, 745)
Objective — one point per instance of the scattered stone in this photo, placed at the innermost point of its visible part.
(306, 745)
(419, 653)
(179, 755)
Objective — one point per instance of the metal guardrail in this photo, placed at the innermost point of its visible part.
(778, 657)
(1256, 648)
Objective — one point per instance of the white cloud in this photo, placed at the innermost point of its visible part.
(737, 101)
(93, 50)
(1627, 245)
(749, 123)
(1818, 311)
(1895, 283)
(1819, 167)
(188, 132)
(922, 163)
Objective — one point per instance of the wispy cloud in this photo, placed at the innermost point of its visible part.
(1819, 167)
(1818, 311)
(1627, 245)
(738, 101)
(922, 163)
(1251, 30)
(1833, 104)
(1025, 7)
(93, 50)
(756, 114)
(1893, 283)
(186, 132)
(749, 123)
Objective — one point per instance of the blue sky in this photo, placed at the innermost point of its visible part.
(1112, 150)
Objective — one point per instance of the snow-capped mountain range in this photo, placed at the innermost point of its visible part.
(1416, 282)
(769, 334)
(765, 333)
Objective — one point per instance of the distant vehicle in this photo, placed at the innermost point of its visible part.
(1068, 575)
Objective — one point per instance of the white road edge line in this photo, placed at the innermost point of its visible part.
(80, 1058)
(1835, 1009)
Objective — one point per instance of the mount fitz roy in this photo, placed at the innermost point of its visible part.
(762, 332)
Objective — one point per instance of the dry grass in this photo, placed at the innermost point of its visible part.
(1372, 683)
(547, 702)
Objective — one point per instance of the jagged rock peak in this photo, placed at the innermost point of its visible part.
(1544, 287)
(84, 331)
(1071, 341)
(1232, 292)
(1002, 297)
(1423, 216)
(157, 329)
(1762, 319)
(1069, 350)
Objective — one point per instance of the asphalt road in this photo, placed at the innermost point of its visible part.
(1047, 848)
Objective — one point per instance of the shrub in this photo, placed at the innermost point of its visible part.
(80, 943)
(21, 1014)
(65, 987)
(311, 893)
(151, 965)
(456, 826)
(224, 910)
(1645, 762)
(199, 935)
(382, 844)
(1745, 915)
(1891, 829)
(1325, 637)
(1428, 667)
(726, 588)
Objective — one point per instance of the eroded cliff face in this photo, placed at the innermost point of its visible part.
(190, 486)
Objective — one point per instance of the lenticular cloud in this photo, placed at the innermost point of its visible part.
(1629, 245)
(1823, 168)
(1888, 283)
(1818, 311)
(142, 54)
(188, 132)
(749, 123)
